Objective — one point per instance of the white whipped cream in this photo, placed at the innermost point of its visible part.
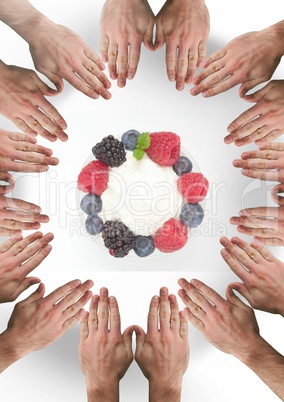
(141, 194)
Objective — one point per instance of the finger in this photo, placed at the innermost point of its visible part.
(255, 164)
(247, 86)
(148, 37)
(251, 252)
(36, 260)
(202, 50)
(273, 135)
(104, 47)
(43, 87)
(75, 318)
(72, 311)
(271, 241)
(196, 310)
(22, 216)
(192, 62)
(35, 296)
(164, 311)
(68, 300)
(60, 292)
(183, 328)
(174, 316)
(114, 316)
(171, 50)
(15, 226)
(235, 266)
(232, 298)
(112, 59)
(257, 223)
(134, 56)
(6, 232)
(14, 203)
(54, 78)
(266, 254)
(242, 290)
(122, 64)
(8, 244)
(97, 81)
(140, 340)
(276, 194)
(97, 76)
(84, 328)
(7, 188)
(196, 322)
(276, 146)
(196, 296)
(21, 245)
(182, 74)
(22, 138)
(94, 57)
(38, 128)
(93, 314)
(264, 233)
(268, 154)
(152, 324)
(241, 251)
(272, 212)
(24, 285)
(78, 82)
(127, 340)
(103, 310)
(52, 120)
(256, 174)
(212, 64)
(209, 293)
(23, 126)
(159, 37)
(244, 118)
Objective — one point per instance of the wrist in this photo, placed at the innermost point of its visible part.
(276, 32)
(165, 391)
(9, 351)
(252, 356)
(107, 391)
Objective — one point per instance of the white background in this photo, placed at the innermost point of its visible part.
(151, 103)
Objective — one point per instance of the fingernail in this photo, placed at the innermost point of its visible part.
(95, 95)
(205, 94)
(240, 228)
(194, 91)
(172, 78)
(130, 76)
(230, 129)
(224, 251)
(193, 281)
(112, 299)
(242, 212)
(48, 247)
(77, 282)
(155, 298)
(63, 126)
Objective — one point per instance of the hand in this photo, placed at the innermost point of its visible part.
(18, 257)
(20, 153)
(59, 53)
(184, 26)
(265, 164)
(266, 224)
(163, 354)
(17, 215)
(249, 59)
(230, 325)
(105, 354)
(276, 194)
(262, 123)
(23, 102)
(262, 274)
(125, 24)
(7, 178)
(38, 321)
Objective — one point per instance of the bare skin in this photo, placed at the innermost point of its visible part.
(39, 321)
(57, 52)
(266, 224)
(230, 325)
(17, 215)
(261, 273)
(20, 153)
(18, 258)
(249, 60)
(125, 24)
(163, 354)
(10, 183)
(104, 352)
(263, 122)
(183, 25)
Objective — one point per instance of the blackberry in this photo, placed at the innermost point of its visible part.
(118, 238)
(111, 151)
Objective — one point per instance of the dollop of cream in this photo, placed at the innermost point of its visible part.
(141, 194)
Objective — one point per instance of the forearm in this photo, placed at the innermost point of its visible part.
(267, 364)
(8, 352)
(164, 393)
(276, 32)
(22, 17)
(103, 393)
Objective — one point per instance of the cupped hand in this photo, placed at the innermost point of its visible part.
(23, 102)
(60, 53)
(265, 164)
(262, 274)
(20, 153)
(249, 60)
(125, 24)
(17, 215)
(266, 224)
(18, 258)
(184, 26)
(263, 122)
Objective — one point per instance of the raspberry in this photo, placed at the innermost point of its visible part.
(172, 236)
(193, 187)
(164, 148)
(94, 178)
(110, 151)
(118, 238)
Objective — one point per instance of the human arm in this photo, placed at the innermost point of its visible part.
(163, 354)
(39, 321)
(125, 24)
(23, 102)
(20, 153)
(184, 26)
(17, 215)
(267, 163)
(266, 224)
(104, 354)
(18, 258)
(231, 326)
(261, 273)
(263, 122)
(249, 60)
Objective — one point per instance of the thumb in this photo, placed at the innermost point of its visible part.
(34, 297)
(140, 339)
(234, 299)
(148, 37)
(27, 282)
(159, 37)
(127, 339)
(247, 86)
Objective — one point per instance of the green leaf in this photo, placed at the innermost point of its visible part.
(143, 141)
(138, 154)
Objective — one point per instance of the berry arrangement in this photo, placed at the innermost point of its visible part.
(163, 148)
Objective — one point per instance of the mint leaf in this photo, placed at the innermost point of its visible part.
(143, 141)
(138, 154)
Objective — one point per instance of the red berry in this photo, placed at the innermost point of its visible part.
(172, 236)
(94, 178)
(164, 148)
(193, 187)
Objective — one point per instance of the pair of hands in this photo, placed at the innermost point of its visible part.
(183, 25)
(162, 353)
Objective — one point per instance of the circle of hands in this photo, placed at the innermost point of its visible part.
(162, 352)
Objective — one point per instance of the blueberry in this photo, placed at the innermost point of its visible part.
(91, 204)
(183, 165)
(94, 224)
(144, 245)
(129, 139)
(191, 215)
